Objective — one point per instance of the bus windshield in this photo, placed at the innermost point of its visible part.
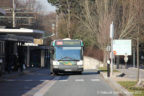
(68, 53)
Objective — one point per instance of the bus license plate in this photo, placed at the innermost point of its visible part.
(68, 70)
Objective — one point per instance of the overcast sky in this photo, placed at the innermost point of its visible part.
(47, 6)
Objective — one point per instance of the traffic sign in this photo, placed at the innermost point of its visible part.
(122, 47)
(114, 52)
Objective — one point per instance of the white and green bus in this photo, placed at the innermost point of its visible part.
(67, 56)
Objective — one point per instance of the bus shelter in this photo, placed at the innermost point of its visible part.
(13, 54)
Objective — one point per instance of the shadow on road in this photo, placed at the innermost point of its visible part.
(22, 84)
(86, 72)
(16, 88)
(30, 82)
(91, 73)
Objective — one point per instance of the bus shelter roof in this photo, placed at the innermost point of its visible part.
(23, 32)
(2, 11)
(16, 38)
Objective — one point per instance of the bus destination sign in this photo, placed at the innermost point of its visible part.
(68, 43)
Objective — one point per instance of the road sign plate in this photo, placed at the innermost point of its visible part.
(122, 47)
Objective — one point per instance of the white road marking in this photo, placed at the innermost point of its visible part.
(76, 80)
(63, 80)
(42, 80)
(95, 80)
(79, 80)
(28, 80)
(10, 80)
(47, 86)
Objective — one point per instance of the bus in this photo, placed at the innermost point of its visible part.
(67, 56)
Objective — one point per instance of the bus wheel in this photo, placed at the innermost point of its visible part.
(56, 73)
(53, 73)
(79, 73)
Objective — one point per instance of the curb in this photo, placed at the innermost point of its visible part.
(30, 71)
(42, 89)
(117, 87)
(45, 88)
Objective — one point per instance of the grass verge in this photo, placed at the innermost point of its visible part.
(129, 85)
(104, 69)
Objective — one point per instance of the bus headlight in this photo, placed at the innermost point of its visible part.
(80, 63)
(55, 63)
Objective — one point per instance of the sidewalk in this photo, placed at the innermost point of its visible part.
(130, 75)
(16, 74)
(112, 81)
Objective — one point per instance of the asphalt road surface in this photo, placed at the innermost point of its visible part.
(21, 85)
(88, 84)
(33, 84)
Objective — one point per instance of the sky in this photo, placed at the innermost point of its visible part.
(47, 6)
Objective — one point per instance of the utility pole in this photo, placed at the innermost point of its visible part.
(13, 13)
(138, 41)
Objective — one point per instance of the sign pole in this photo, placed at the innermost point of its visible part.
(111, 36)
(111, 69)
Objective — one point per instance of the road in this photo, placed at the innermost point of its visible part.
(22, 85)
(88, 84)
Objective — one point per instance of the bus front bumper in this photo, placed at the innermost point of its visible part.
(63, 68)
